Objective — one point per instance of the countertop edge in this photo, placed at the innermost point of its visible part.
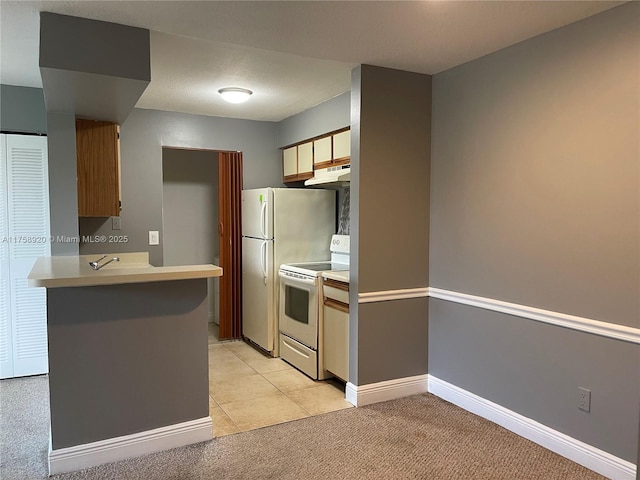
(124, 276)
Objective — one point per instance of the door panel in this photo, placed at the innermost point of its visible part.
(6, 350)
(257, 292)
(257, 219)
(27, 212)
(230, 234)
(298, 311)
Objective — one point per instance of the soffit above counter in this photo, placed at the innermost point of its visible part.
(92, 69)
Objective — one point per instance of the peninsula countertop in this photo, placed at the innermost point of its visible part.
(75, 271)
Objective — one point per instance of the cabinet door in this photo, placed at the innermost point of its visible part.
(336, 339)
(290, 161)
(27, 195)
(342, 145)
(98, 168)
(305, 158)
(322, 152)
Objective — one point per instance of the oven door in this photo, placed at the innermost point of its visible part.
(298, 316)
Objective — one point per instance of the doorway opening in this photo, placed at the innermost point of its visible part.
(201, 224)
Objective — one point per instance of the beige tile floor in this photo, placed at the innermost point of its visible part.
(248, 390)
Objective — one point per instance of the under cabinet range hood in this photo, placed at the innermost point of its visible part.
(339, 175)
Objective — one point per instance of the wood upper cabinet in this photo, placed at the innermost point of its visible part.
(98, 168)
(297, 162)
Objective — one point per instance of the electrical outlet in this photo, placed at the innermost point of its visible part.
(584, 399)
(115, 223)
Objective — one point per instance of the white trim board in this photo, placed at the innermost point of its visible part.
(386, 295)
(360, 395)
(597, 327)
(582, 324)
(586, 455)
(129, 446)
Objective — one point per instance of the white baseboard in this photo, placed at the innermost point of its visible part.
(586, 455)
(129, 446)
(360, 395)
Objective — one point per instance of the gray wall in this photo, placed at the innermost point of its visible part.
(535, 170)
(190, 211)
(93, 46)
(390, 161)
(22, 110)
(325, 117)
(535, 200)
(189, 206)
(142, 137)
(136, 363)
(92, 68)
(535, 369)
(63, 188)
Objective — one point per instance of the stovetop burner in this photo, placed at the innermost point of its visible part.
(319, 266)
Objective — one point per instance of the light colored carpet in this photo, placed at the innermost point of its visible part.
(24, 428)
(419, 437)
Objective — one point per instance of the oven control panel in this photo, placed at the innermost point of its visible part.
(307, 278)
(340, 244)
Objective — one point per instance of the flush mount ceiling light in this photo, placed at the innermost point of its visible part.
(235, 94)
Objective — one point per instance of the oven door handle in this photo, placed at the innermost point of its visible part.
(263, 260)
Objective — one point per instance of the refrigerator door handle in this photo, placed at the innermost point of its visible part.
(263, 220)
(263, 260)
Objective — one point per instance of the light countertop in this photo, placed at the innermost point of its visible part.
(341, 275)
(74, 271)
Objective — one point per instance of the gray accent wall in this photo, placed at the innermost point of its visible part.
(190, 211)
(126, 358)
(328, 116)
(392, 340)
(390, 164)
(22, 110)
(189, 206)
(142, 137)
(535, 191)
(63, 188)
(535, 369)
(92, 68)
(535, 201)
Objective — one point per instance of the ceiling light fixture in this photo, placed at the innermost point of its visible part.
(235, 94)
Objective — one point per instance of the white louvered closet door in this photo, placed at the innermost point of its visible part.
(26, 189)
(6, 354)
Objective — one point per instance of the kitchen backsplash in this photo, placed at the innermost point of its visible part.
(343, 226)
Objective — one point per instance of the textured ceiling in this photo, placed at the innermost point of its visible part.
(293, 55)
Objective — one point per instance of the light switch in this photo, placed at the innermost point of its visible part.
(115, 223)
(154, 237)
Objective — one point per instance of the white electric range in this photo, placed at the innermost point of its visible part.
(300, 310)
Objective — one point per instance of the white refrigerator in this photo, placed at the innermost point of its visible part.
(279, 225)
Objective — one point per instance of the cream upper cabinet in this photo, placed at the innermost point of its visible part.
(290, 161)
(322, 153)
(342, 145)
(297, 162)
(305, 158)
(300, 160)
